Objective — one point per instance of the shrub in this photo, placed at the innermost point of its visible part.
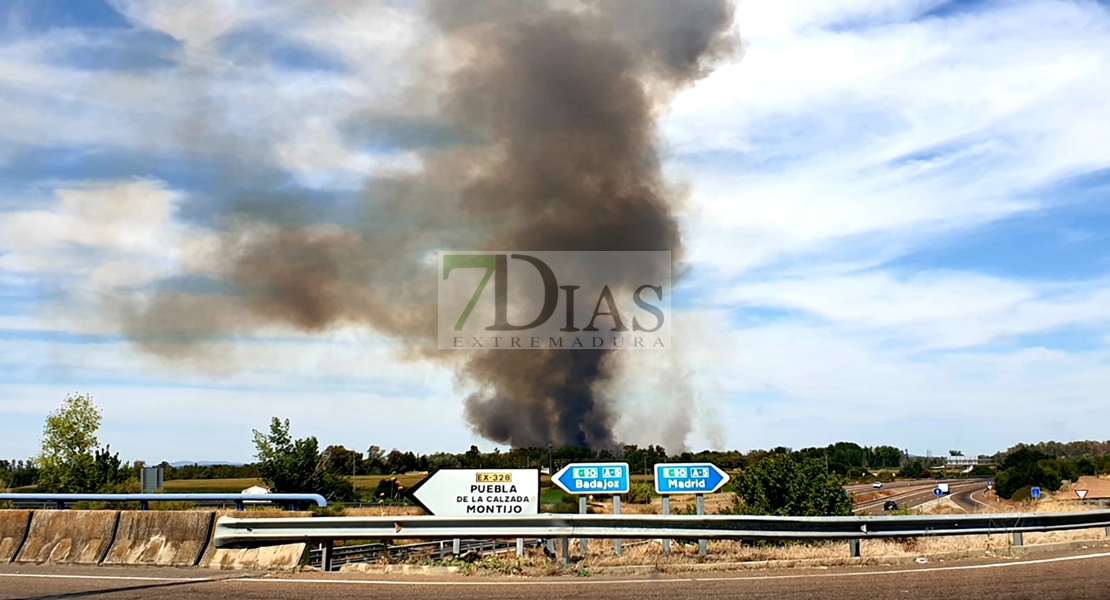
(1024, 494)
(781, 484)
(640, 492)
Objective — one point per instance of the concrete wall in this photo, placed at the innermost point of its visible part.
(68, 536)
(175, 538)
(13, 530)
(279, 557)
(172, 538)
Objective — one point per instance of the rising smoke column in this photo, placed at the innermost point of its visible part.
(556, 110)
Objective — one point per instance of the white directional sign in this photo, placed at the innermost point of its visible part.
(1081, 493)
(479, 492)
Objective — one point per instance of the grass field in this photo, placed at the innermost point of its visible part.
(232, 486)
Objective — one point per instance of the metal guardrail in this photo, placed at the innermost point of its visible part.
(144, 500)
(230, 532)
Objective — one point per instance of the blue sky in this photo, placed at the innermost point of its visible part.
(899, 222)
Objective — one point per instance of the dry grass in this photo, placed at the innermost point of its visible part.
(384, 511)
(230, 485)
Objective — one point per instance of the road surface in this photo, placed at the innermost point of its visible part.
(1058, 576)
(971, 499)
(917, 495)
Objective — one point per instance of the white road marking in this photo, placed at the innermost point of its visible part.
(679, 579)
(979, 502)
(104, 577)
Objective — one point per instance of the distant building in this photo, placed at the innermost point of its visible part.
(963, 462)
(256, 489)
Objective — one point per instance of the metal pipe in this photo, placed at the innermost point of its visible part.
(61, 499)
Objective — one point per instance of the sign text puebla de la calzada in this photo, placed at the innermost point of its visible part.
(554, 300)
(479, 492)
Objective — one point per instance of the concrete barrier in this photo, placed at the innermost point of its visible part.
(13, 530)
(68, 536)
(280, 557)
(169, 538)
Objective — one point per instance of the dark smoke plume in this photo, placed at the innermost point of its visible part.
(553, 113)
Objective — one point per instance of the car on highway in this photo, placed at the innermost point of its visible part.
(890, 505)
(877, 485)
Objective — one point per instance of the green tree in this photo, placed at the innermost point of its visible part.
(787, 485)
(913, 470)
(886, 457)
(297, 466)
(66, 461)
(1024, 468)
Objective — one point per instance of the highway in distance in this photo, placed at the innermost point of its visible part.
(1049, 576)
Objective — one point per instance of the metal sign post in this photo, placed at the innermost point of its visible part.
(683, 478)
(667, 511)
(617, 511)
(701, 511)
(582, 511)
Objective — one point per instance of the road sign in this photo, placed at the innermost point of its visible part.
(685, 478)
(1035, 492)
(1081, 493)
(938, 492)
(591, 478)
(990, 485)
(479, 492)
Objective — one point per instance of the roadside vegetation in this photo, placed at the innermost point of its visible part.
(782, 480)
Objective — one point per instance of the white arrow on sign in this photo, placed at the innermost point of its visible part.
(1081, 493)
(479, 492)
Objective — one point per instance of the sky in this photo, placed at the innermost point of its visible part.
(898, 218)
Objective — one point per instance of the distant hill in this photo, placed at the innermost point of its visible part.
(202, 463)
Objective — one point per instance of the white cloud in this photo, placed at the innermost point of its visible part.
(815, 117)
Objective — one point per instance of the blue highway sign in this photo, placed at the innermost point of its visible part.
(1035, 492)
(685, 478)
(938, 492)
(593, 478)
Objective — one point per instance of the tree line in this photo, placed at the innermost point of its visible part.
(72, 460)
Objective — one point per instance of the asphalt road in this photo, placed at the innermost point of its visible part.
(1060, 576)
(970, 499)
(917, 495)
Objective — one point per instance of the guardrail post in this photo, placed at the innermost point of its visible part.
(853, 547)
(456, 547)
(144, 505)
(1018, 541)
(61, 505)
(700, 498)
(582, 511)
(520, 546)
(327, 551)
(666, 511)
(564, 556)
(239, 505)
(617, 511)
